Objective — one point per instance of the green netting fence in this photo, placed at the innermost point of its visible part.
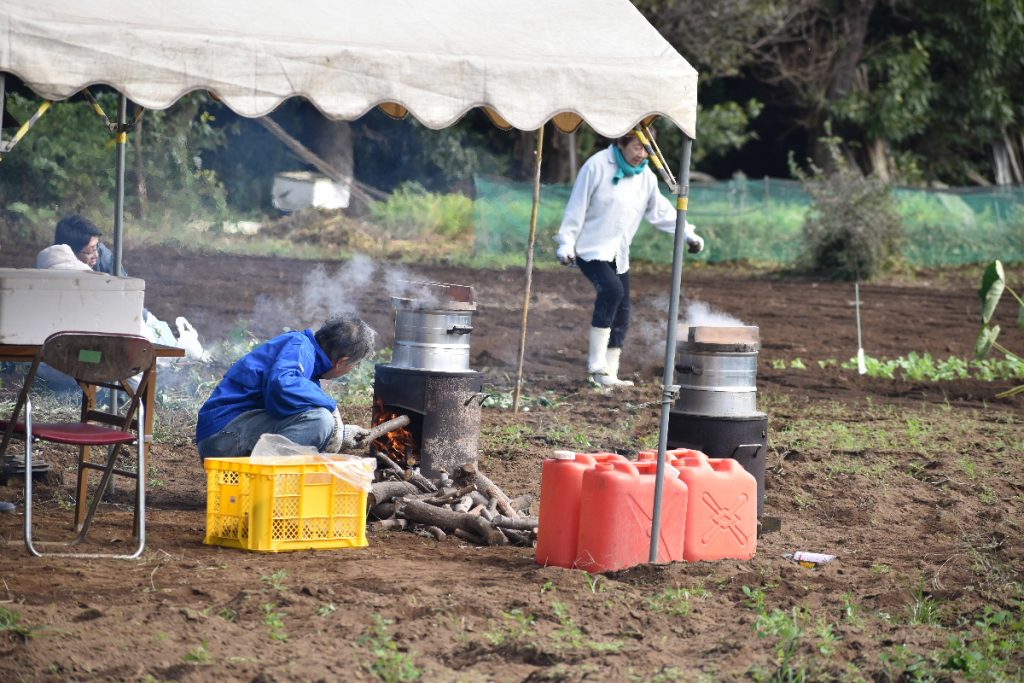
(761, 221)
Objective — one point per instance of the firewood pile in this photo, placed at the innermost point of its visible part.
(467, 505)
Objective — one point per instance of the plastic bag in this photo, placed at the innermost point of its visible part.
(188, 339)
(158, 331)
(275, 449)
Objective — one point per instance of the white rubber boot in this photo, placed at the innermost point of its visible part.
(597, 360)
(611, 378)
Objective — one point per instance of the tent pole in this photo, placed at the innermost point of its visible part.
(120, 145)
(669, 391)
(3, 108)
(529, 269)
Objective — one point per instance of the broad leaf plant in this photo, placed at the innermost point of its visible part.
(993, 284)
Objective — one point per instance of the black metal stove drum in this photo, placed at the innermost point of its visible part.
(716, 410)
(429, 380)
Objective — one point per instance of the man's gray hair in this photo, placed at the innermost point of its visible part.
(346, 336)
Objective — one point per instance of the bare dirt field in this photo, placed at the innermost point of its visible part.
(917, 487)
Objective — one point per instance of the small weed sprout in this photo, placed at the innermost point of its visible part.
(275, 580)
(923, 610)
(570, 636)
(390, 664)
(756, 598)
(593, 580)
(274, 621)
(326, 610)
(677, 602)
(198, 655)
(516, 628)
(10, 622)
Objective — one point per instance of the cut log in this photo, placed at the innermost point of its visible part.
(431, 532)
(471, 473)
(421, 482)
(467, 536)
(389, 463)
(522, 503)
(384, 491)
(384, 427)
(520, 524)
(418, 511)
(519, 538)
(389, 525)
(463, 504)
(451, 495)
(382, 511)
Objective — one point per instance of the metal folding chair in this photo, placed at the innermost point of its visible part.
(94, 360)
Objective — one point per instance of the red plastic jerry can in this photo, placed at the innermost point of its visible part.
(559, 516)
(721, 518)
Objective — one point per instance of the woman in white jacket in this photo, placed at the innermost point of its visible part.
(614, 190)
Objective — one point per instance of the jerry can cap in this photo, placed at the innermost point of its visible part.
(564, 455)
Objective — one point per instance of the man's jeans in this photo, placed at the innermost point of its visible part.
(311, 428)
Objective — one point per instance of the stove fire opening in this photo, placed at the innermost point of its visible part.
(402, 445)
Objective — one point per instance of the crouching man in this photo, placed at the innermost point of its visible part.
(275, 389)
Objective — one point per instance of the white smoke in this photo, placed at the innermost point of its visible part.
(701, 314)
(648, 334)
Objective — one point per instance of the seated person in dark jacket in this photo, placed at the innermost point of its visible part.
(275, 389)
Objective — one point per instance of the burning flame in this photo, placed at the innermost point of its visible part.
(399, 445)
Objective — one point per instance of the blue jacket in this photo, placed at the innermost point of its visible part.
(280, 376)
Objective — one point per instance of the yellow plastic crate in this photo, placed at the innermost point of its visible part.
(272, 508)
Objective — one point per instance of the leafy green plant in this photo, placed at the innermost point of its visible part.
(788, 629)
(989, 648)
(390, 665)
(676, 601)
(924, 368)
(854, 230)
(275, 580)
(413, 212)
(993, 284)
(515, 628)
(10, 622)
(923, 609)
(756, 598)
(274, 621)
(570, 635)
(198, 655)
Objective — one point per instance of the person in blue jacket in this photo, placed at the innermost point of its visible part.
(275, 389)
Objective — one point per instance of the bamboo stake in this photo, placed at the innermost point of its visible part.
(529, 270)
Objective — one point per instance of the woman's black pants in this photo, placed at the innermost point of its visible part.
(611, 309)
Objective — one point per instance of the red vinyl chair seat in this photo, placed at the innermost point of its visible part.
(79, 434)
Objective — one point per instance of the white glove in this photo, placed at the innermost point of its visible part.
(345, 436)
(694, 242)
(566, 254)
(353, 436)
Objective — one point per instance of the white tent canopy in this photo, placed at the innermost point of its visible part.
(525, 61)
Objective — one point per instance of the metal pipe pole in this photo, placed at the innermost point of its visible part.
(3, 108)
(669, 390)
(529, 270)
(120, 145)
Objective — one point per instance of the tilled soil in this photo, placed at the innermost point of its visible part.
(452, 611)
